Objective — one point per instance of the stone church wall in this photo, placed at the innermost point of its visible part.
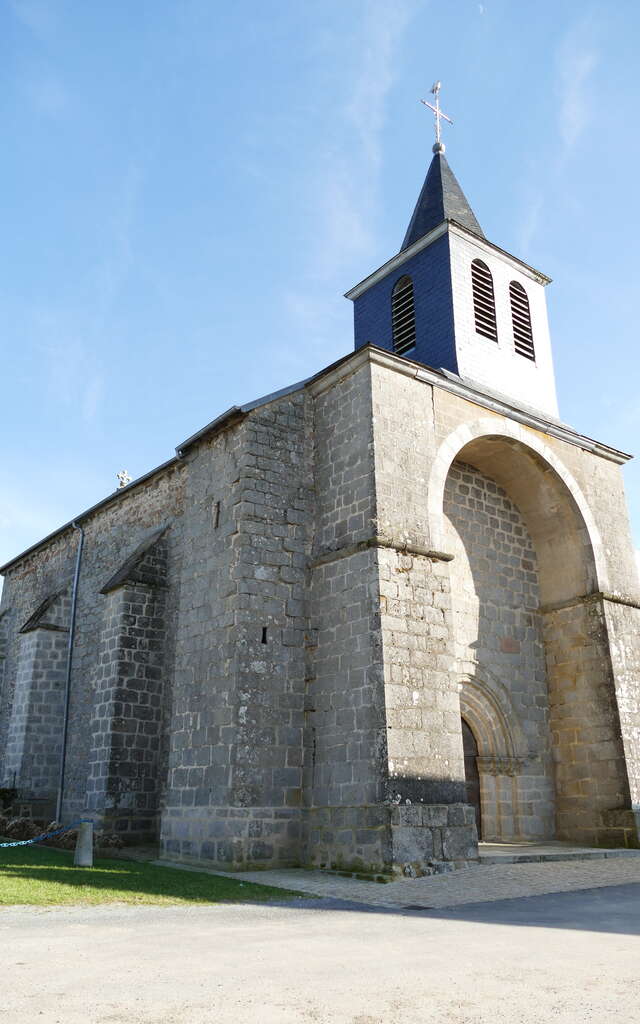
(346, 739)
(7, 684)
(591, 774)
(345, 735)
(112, 533)
(429, 417)
(623, 629)
(236, 762)
(284, 683)
(403, 420)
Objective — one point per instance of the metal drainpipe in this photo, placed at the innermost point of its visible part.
(67, 692)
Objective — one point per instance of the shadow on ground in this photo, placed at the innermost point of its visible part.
(40, 876)
(614, 909)
(44, 877)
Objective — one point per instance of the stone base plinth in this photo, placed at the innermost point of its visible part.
(134, 828)
(232, 838)
(620, 828)
(375, 839)
(427, 838)
(407, 839)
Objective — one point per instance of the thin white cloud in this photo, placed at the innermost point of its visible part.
(92, 397)
(36, 15)
(119, 232)
(73, 371)
(43, 86)
(47, 94)
(346, 189)
(353, 194)
(384, 27)
(346, 223)
(576, 60)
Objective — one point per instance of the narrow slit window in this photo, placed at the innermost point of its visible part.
(403, 317)
(484, 305)
(521, 320)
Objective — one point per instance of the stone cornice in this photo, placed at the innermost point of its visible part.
(418, 371)
(458, 387)
(596, 595)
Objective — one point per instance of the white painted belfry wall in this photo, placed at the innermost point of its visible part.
(497, 365)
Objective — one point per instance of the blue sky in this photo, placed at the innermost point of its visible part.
(188, 187)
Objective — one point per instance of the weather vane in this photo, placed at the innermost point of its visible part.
(435, 89)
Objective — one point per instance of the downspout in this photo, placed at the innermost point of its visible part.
(67, 691)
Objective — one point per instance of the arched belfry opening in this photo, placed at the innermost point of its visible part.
(529, 643)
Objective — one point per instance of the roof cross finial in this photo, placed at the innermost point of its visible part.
(435, 89)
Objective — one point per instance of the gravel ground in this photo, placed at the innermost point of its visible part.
(565, 958)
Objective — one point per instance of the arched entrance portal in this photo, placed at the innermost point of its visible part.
(528, 638)
(471, 773)
(502, 753)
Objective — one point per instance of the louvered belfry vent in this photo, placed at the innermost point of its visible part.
(484, 305)
(403, 316)
(521, 319)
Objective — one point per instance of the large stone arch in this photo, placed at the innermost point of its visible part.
(588, 768)
(567, 539)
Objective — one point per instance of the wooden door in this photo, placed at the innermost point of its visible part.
(471, 775)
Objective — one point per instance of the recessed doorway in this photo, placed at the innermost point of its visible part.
(471, 774)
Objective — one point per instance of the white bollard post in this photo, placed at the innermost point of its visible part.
(83, 856)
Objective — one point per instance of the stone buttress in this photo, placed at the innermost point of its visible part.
(123, 785)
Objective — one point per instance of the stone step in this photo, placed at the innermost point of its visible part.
(534, 853)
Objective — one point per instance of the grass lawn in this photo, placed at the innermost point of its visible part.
(44, 877)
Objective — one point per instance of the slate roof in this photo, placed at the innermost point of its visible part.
(441, 199)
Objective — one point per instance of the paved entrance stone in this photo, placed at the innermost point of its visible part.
(475, 884)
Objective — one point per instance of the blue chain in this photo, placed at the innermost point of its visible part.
(44, 835)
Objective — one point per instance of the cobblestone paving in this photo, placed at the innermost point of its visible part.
(476, 884)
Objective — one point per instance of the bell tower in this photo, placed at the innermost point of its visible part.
(455, 301)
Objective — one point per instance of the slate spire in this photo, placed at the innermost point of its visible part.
(441, 199)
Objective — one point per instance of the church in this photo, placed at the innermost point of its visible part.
(358, 624)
